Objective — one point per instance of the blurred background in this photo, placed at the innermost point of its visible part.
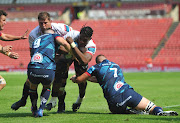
(139, 35)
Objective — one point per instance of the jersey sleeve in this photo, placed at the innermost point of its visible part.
(31, 40)
(61, 28)
(91, 47)
(91, 71)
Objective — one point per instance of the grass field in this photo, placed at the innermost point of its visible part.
(161, 88)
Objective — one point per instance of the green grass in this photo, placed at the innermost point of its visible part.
(161, 88)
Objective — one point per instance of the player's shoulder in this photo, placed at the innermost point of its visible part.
(35, 31)
(91, 43)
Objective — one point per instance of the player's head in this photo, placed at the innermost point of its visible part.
(100, 58)
(85, 35)
(44, 21)
(49, 31)
(3, 15)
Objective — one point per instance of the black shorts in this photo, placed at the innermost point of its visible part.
(62, 68)
(43, 76)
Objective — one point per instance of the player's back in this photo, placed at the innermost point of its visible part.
(43, 52)
(110, 78)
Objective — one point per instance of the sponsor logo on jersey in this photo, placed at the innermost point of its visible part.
(37, 57)
(118, 85)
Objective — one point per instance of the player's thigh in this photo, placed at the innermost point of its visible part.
(62, 69)
(80, 69)
(134, 98)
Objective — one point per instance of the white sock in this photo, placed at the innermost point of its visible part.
(53, 99)
(79, 100)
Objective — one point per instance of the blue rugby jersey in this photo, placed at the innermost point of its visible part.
(43, 52)
(110, 78)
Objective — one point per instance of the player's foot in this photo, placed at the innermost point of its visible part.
(39, 113)
(18, 104)
(34, 111)
(50, 105)
(61, 107)
(134, 111)
(76, 106)
(168, 113)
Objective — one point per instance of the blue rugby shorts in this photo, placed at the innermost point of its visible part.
(44, 76)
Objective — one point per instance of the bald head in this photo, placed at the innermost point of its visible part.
(49, 31)
(100, 58)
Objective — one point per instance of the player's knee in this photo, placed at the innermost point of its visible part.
(150, 106)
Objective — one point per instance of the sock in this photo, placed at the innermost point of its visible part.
(44, 97)
(25, 92)
(33, 97)
(82, 89)
(79, 100)
(156, 110)
(62, 97)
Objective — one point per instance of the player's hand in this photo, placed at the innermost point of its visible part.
(24, 36)
(73, 78)
(14, 55)
(69, 40)
(7, 48)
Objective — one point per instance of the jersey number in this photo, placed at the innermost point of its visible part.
(37, 43)
(115, 71)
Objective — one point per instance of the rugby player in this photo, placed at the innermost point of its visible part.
(41, 68)
(83, 48)
(6, 50)
(117, 92)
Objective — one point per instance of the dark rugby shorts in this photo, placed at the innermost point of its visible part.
(44, 76)
(129, 98)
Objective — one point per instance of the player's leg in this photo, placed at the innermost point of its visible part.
(150, 107)
(140, 103)
(61, 75)
(82, 87)
(34, 97)
(25, 94)
(62, 95)
(2, 83)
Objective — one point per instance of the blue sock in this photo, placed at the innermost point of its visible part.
(156, 110)
(44, 97)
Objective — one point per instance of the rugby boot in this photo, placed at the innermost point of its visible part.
(18, 104)
(50, 105)
(76, 106)
(39, 113)
(167, 113)
(61, 107)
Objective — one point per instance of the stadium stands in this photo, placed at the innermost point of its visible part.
(138, 33)
(170, 54)
(6, 1)
(126, 42)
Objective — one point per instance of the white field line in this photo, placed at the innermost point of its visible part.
(171, 106)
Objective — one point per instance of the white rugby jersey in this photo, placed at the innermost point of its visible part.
(90, 47)
(59, 28)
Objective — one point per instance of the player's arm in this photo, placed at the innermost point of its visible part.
(63, 42)
(8, 37)
(83, 58)
(83, 77)
(6, 50)
(93, 79)
(79, 79)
